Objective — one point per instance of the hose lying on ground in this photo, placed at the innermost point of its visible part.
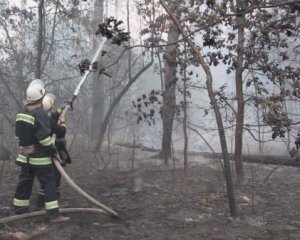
(107, 210)
(40, 213)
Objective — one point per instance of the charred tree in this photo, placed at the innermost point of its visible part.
(169, 98)
(240, 23)
(41, 21)
(184, 122)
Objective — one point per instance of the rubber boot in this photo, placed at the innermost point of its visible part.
(21, 210)
(59, 219)
(56, 217)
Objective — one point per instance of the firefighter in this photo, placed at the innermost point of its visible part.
(37, 149)
(58, 127)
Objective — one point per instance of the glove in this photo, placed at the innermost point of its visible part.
(62, 120)
(63, 152)
(60, 109)
(61, 161)
(70, 101)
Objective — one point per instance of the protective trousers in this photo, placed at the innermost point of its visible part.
(40, 202)
(46, 178)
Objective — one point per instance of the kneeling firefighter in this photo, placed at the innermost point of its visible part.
(58, 127)
(37, 149)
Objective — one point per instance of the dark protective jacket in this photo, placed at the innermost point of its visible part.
(60, 131)
(33, 129)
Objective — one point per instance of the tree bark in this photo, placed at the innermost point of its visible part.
(38, 69)
(169, 98)
(184, 123)
(240, 22)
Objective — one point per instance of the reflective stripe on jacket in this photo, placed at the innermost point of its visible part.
(34, 161)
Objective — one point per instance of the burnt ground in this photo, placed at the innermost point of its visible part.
(159, 203)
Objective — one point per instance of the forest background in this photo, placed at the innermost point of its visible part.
(207, 76)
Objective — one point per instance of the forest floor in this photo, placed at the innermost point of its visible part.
(156, 202)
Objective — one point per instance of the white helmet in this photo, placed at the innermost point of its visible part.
(38, 82)
(34, 93)
(48, 101)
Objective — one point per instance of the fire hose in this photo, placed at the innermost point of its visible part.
(81, 192)
(44, 212)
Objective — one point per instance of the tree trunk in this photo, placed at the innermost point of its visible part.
(260, 137)
(240, 22)
(39, 54)
(169, 98)
(285, 160)
(209, 81)
(184, 124)
(98, 94)
(288, 144)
